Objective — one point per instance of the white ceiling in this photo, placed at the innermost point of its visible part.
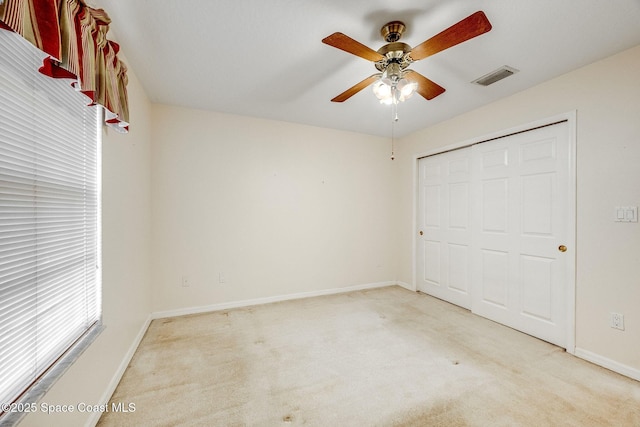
(265, 58)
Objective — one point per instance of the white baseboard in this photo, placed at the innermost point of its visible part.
(95, 416)
(267, 300)
(605, 362)
(407, 286)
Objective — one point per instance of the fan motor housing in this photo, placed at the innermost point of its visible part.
(394, 52)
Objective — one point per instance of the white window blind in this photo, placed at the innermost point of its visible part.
(49, 217)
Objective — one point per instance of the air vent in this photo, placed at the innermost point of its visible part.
(496, 75)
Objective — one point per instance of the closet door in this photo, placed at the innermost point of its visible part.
(444, 235)
(520, 207)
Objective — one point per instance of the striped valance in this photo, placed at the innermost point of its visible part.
(74, 36)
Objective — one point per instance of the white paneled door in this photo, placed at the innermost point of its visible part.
(444, 252)
(511, 260)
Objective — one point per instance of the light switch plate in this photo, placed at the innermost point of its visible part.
(625, 214)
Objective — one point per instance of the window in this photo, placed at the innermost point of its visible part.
(50, 294)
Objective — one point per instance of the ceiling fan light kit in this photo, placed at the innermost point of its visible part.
(393, 87)
(395, 82)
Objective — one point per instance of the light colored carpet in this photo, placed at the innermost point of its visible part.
(382, 357)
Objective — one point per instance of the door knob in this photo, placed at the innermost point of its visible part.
(421, 233)
(562, 248)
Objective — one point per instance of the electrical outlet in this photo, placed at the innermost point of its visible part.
(221, 278)
(617, 321)
(185, 282)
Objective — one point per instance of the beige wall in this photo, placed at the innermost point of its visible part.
(606, 96)
(278, 208)
(126, 260)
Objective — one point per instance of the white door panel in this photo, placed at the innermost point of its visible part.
(494, 279)
(537, 285)
(432, 262)
(458, 269)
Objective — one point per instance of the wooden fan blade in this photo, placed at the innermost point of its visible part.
(356, 88)
(426, 87)
(349, 45)
(470, 27)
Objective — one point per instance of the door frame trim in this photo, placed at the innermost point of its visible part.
(571, 118)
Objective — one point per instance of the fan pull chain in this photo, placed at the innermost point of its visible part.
(393, 128)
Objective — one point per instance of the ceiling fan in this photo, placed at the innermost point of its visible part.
(395, 82)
